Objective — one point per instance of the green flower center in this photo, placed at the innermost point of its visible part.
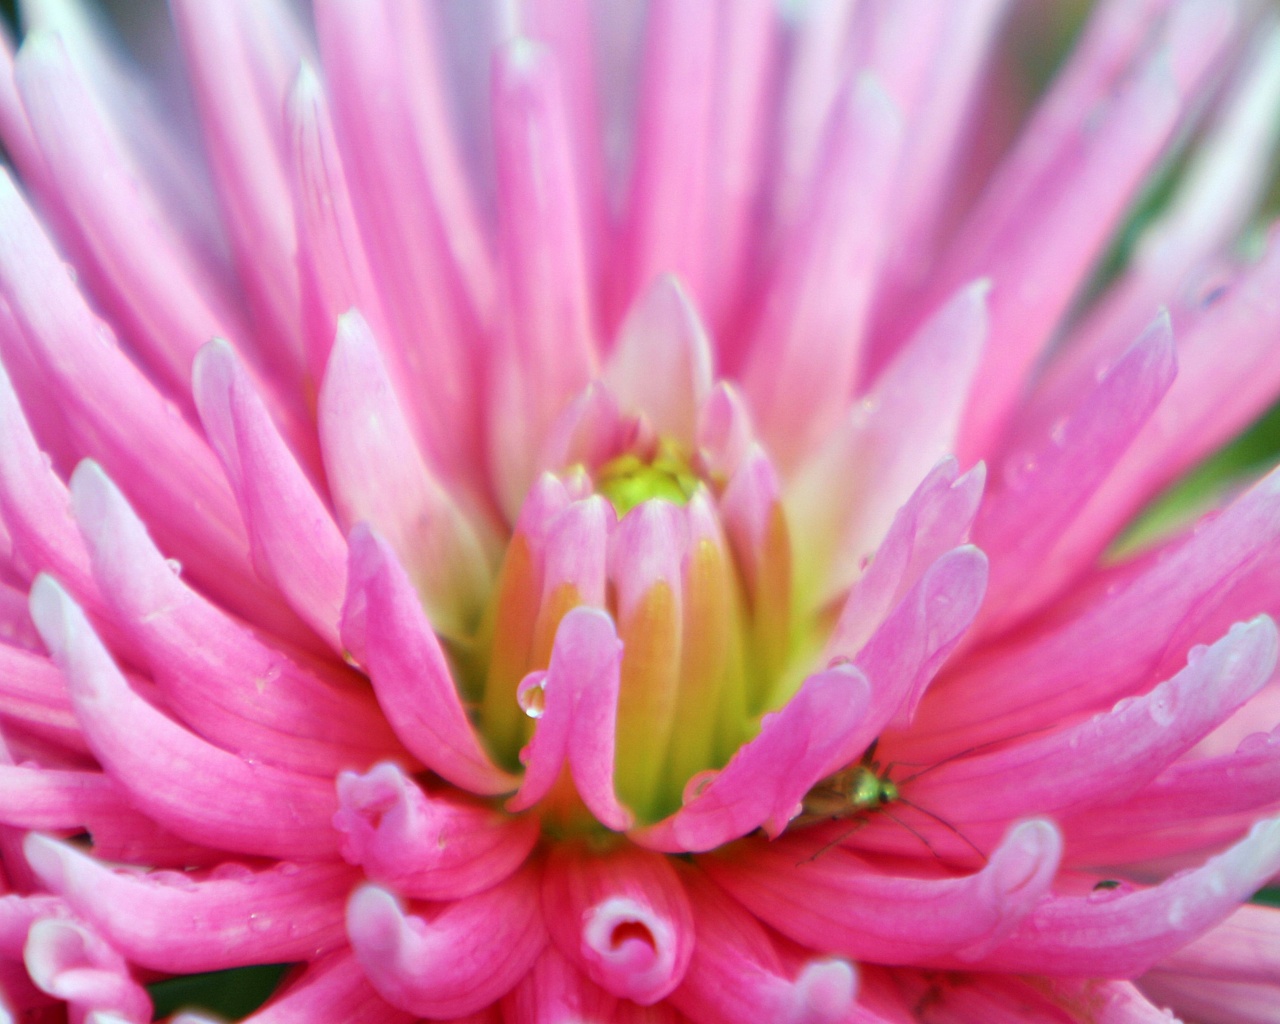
(629, 480)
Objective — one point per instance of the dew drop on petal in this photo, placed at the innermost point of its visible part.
(532, 694)
(697, 785)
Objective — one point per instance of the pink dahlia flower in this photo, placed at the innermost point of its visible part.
(499, 523)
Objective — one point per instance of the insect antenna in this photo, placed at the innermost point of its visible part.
(944, 823)
(834, 842)
(957, 756)
(915, 832)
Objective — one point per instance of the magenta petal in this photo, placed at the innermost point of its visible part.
(460, 958)
(50, 799)
(578, 721)
(834, 900)
(622, 917)
(333, 987)
(1112, 753)
(214, 673)
(296, 544)
(277, 813)
(1122, 629)
(176, 923)
(1123, 933)
(1044, 487)
(737, 977)
(554, 990)
(765, 782)
(437, 846)
(408, 668)
(904, 654)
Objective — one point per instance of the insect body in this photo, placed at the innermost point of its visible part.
(860, 789)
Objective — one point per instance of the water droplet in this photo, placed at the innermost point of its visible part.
(1058, 432)
(173, 880)
(697, 785)
(1177, 913)
(174, 566)
(532, 694)
(288, 868)
(1018, 471)
(1162, 707)
(260, 923)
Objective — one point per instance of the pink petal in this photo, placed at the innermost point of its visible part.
(167, 302)
(57, 799)
(834, 900)
(1227, 374)
(1043, 488)
(407, 667)
(416, 210)
(578, 720)
(1127, 630)
(904, 654)
(553, 991)
(846, 495)
(934, 520)
(69, 961)
(123, 421)
(1244, 947)
(661, 363)
(432, 846)
(807, 354)
(295, 543)
(242, 58)
(179, 924)
(332, 263)
(547, 337)
(277, 813)
(736, 976)
(214, 673)
(330, 988)
(725, 435)
(1175, 812)
(466, 955)
(377, 476)
(645, 554)
(1112, 753)
(32, 693)
(669, 182)
(621, 917)
(764, 783)
(1123, 933)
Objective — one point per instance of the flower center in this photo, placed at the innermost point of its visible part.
(628, 479)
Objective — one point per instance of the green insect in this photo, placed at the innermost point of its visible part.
(860, 789)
